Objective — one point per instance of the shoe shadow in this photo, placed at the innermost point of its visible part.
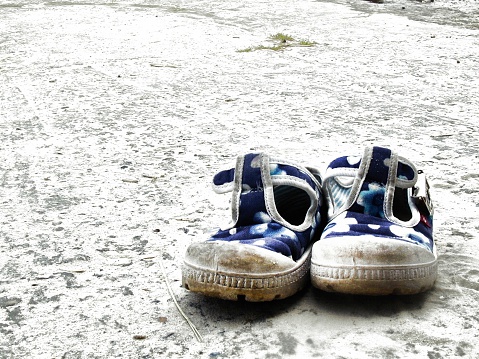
(367, 306)
(241, 312)
(221, 315)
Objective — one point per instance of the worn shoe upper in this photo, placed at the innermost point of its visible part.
(264, 252)
(276, 205)
(379, 236)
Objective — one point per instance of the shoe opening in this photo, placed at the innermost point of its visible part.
(292, 203)
(401, 209)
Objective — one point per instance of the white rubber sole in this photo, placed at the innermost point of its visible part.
(400, 280)
(372, 267)
(208, 278)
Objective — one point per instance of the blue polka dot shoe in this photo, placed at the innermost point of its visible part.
(264, 253)
(379, 237)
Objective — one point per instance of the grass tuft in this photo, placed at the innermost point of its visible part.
(281, 41)
(281, 37)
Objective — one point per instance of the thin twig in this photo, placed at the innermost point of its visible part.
(190, 323)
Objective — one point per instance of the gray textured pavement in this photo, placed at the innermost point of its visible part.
(114, 118)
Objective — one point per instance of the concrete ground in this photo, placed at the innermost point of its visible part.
(115, 117)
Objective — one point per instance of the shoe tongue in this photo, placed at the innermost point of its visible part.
(252, 180)
(379, 166)
(252, 208)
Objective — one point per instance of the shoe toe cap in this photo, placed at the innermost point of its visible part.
(369, 251)
(236, 258)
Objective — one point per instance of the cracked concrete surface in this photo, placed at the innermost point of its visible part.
(115, 117)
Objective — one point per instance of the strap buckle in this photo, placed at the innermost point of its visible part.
(421, 195)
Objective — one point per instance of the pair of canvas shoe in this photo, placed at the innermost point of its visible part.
(365, 228)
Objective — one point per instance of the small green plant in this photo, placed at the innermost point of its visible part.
(262, 47)
(307, 43)
(248, 49)
(282, 41)
(281, 37)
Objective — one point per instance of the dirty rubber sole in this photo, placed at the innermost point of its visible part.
(247, 287)
(374, 280)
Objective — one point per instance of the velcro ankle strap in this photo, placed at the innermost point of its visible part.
(381, 173)
(252, 184)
